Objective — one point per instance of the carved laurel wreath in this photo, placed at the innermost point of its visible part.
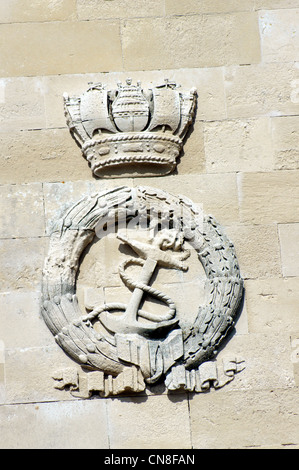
(74, 330)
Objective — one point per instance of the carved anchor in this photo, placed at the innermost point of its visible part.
(165, 250)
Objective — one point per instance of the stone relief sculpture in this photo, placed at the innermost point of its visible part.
(131, 131)
(121, 346)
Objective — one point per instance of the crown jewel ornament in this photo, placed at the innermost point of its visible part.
(130, 131)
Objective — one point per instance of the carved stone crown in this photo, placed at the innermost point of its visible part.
(129, 130)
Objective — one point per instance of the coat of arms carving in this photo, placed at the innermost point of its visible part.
(123, 346)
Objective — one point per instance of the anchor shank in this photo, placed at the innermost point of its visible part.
(134, 303)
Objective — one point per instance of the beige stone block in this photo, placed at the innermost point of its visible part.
(80, 424)
(29, 374)
(272, 304)
(47, 154)
(242, 419)
(238, 145)
(263, 89)
(19, 313)
(216, 194)
(21, 211)
(278, 446)
(289, 243)
(117, 294)
(184, 7)
(21, 103)
(269, 197)
(279, 36)
(275, 4)
(285, 132)
(155, 422)
(51, 48)
(295, 356)
(267, 360)
(220, 39)
(209, 83)
(21, 261)
(257, 249)
(2, 371)
(22, 11)
(192, 157)
(98, 9)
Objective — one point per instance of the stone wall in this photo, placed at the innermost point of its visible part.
(241, 161)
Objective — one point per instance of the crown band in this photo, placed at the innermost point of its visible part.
(145, 149)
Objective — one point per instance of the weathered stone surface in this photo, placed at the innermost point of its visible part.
(221, 40)
(193, 152)
(209, 83)
(17, 204)
(272, 304)
(21, 103)
(47, 154)
(289, 242)
(295, 355)
(250, 91)
(134, 425)
(29, 374)
(75, 42)
(257, 247)
(268, 360)
(285, 132)
(238, 145)
(216, 194)
(279, 35)
(95, 9)
(271, 197)
(275, 4)
(184, 7)
(57, 425)
(22, 11)
(20, 312)
(241, 419)
(2, 371)
(22, 261)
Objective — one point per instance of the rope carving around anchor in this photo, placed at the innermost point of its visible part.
(132, 284)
